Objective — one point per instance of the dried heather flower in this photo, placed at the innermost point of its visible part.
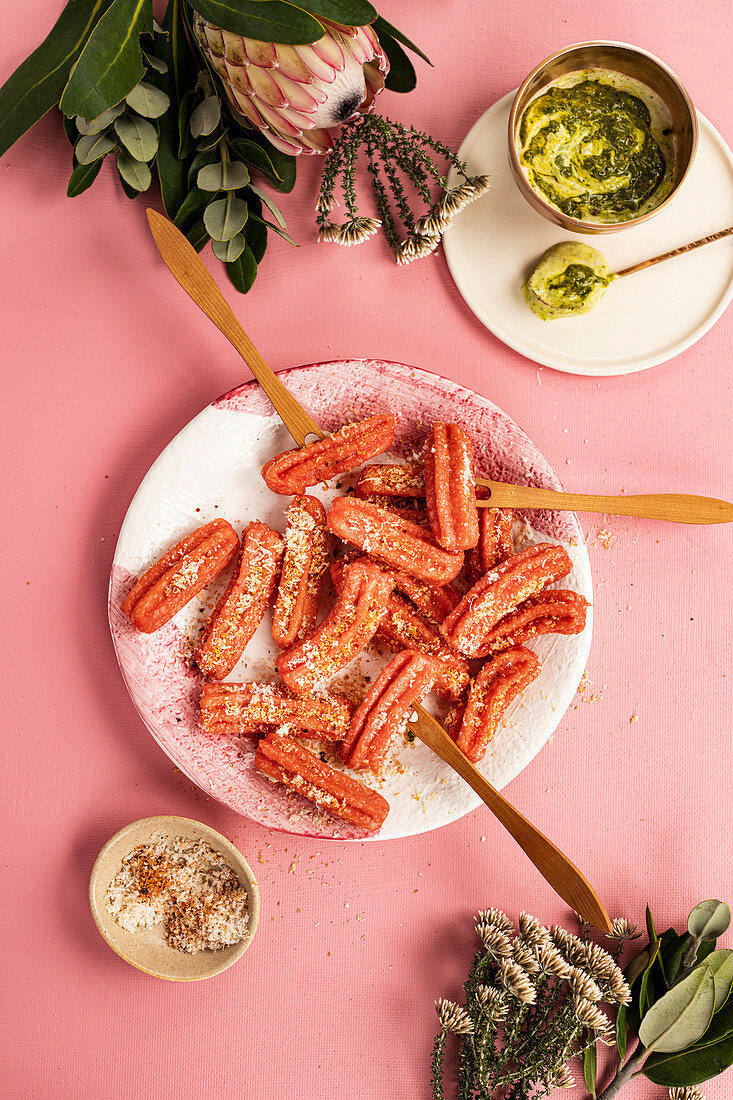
(686, 1092)
(329, 232)
(563, 1079)
(453, 1018)
(572, 948)
(606, 973)
(516, 981)
(589, 1015)
(583, 985)
(492, 1000)
(496, 919)
(432, 225)
(622, 929)
(496, 943)
(525, 957)
(550, 961)
(355, 231)
(617, 989)
(532, 932)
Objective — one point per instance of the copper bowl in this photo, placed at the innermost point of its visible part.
(631, 62)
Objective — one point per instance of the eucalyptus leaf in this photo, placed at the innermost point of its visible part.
(651, 930)
(138, 136)
(279, 168)
(721, 964)
(101, 122)
(36, 85)
(72, 134)
(155, 63)
(682, 1015)
(198, 162)
(205, 118)
(83, 177)
(401, 76)
(382, 27)
(131, 192)
(209, 142)
(111, 64)
(223, 176)
(134, 172)
(147, 100)
(271, 206)
(229, 251)
(266, 20)
(672, 948)
(93, 146)
(243, 271)
(224, 218)
(708, 920)
(590, 1069)
(707, 1058)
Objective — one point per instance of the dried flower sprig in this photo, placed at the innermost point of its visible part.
(530, 1005)
(401, 161)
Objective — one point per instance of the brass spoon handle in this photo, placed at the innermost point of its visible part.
(564, 877)
(675, 252)
(675, 507)
(187, 268)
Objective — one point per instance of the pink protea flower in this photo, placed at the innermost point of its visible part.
(298, 96)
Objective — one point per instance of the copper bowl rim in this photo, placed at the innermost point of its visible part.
(552, 212)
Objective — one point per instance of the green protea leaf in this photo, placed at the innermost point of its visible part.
(111, 63)
(243, 271)
(182, 70)
(266, 20)
(36, 86)
(351, 13)
(83, 177)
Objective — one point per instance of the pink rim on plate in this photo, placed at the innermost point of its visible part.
(210, 470)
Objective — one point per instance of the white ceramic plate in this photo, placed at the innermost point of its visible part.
(644, 319)
(211, 469)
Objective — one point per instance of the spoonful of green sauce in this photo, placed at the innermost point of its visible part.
(571, 278)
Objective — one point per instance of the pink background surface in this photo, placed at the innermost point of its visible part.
(104, 360)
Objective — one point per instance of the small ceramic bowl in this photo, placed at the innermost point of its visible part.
(631, 62)
(147, 949)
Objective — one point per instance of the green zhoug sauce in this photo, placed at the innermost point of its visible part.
(570, 279)
(591, 148)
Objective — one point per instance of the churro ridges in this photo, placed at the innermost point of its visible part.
(450, 491)
(555, 611)
(242, 606)
(251, 708)
(391, 480)
(342, 635)
(496, 686)
(403, 627)
(292, 472)
(303, 568)
(180, 575)
(494, 542)
(386, 708)
(499, 592)
(285, 761)
(399, 543)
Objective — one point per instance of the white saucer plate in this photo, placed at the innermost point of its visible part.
(644, 319)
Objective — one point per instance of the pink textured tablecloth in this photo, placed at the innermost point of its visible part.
(104, 361)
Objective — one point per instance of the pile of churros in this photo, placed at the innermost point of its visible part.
(420, 568)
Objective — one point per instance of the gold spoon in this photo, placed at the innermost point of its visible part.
(190, 272)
